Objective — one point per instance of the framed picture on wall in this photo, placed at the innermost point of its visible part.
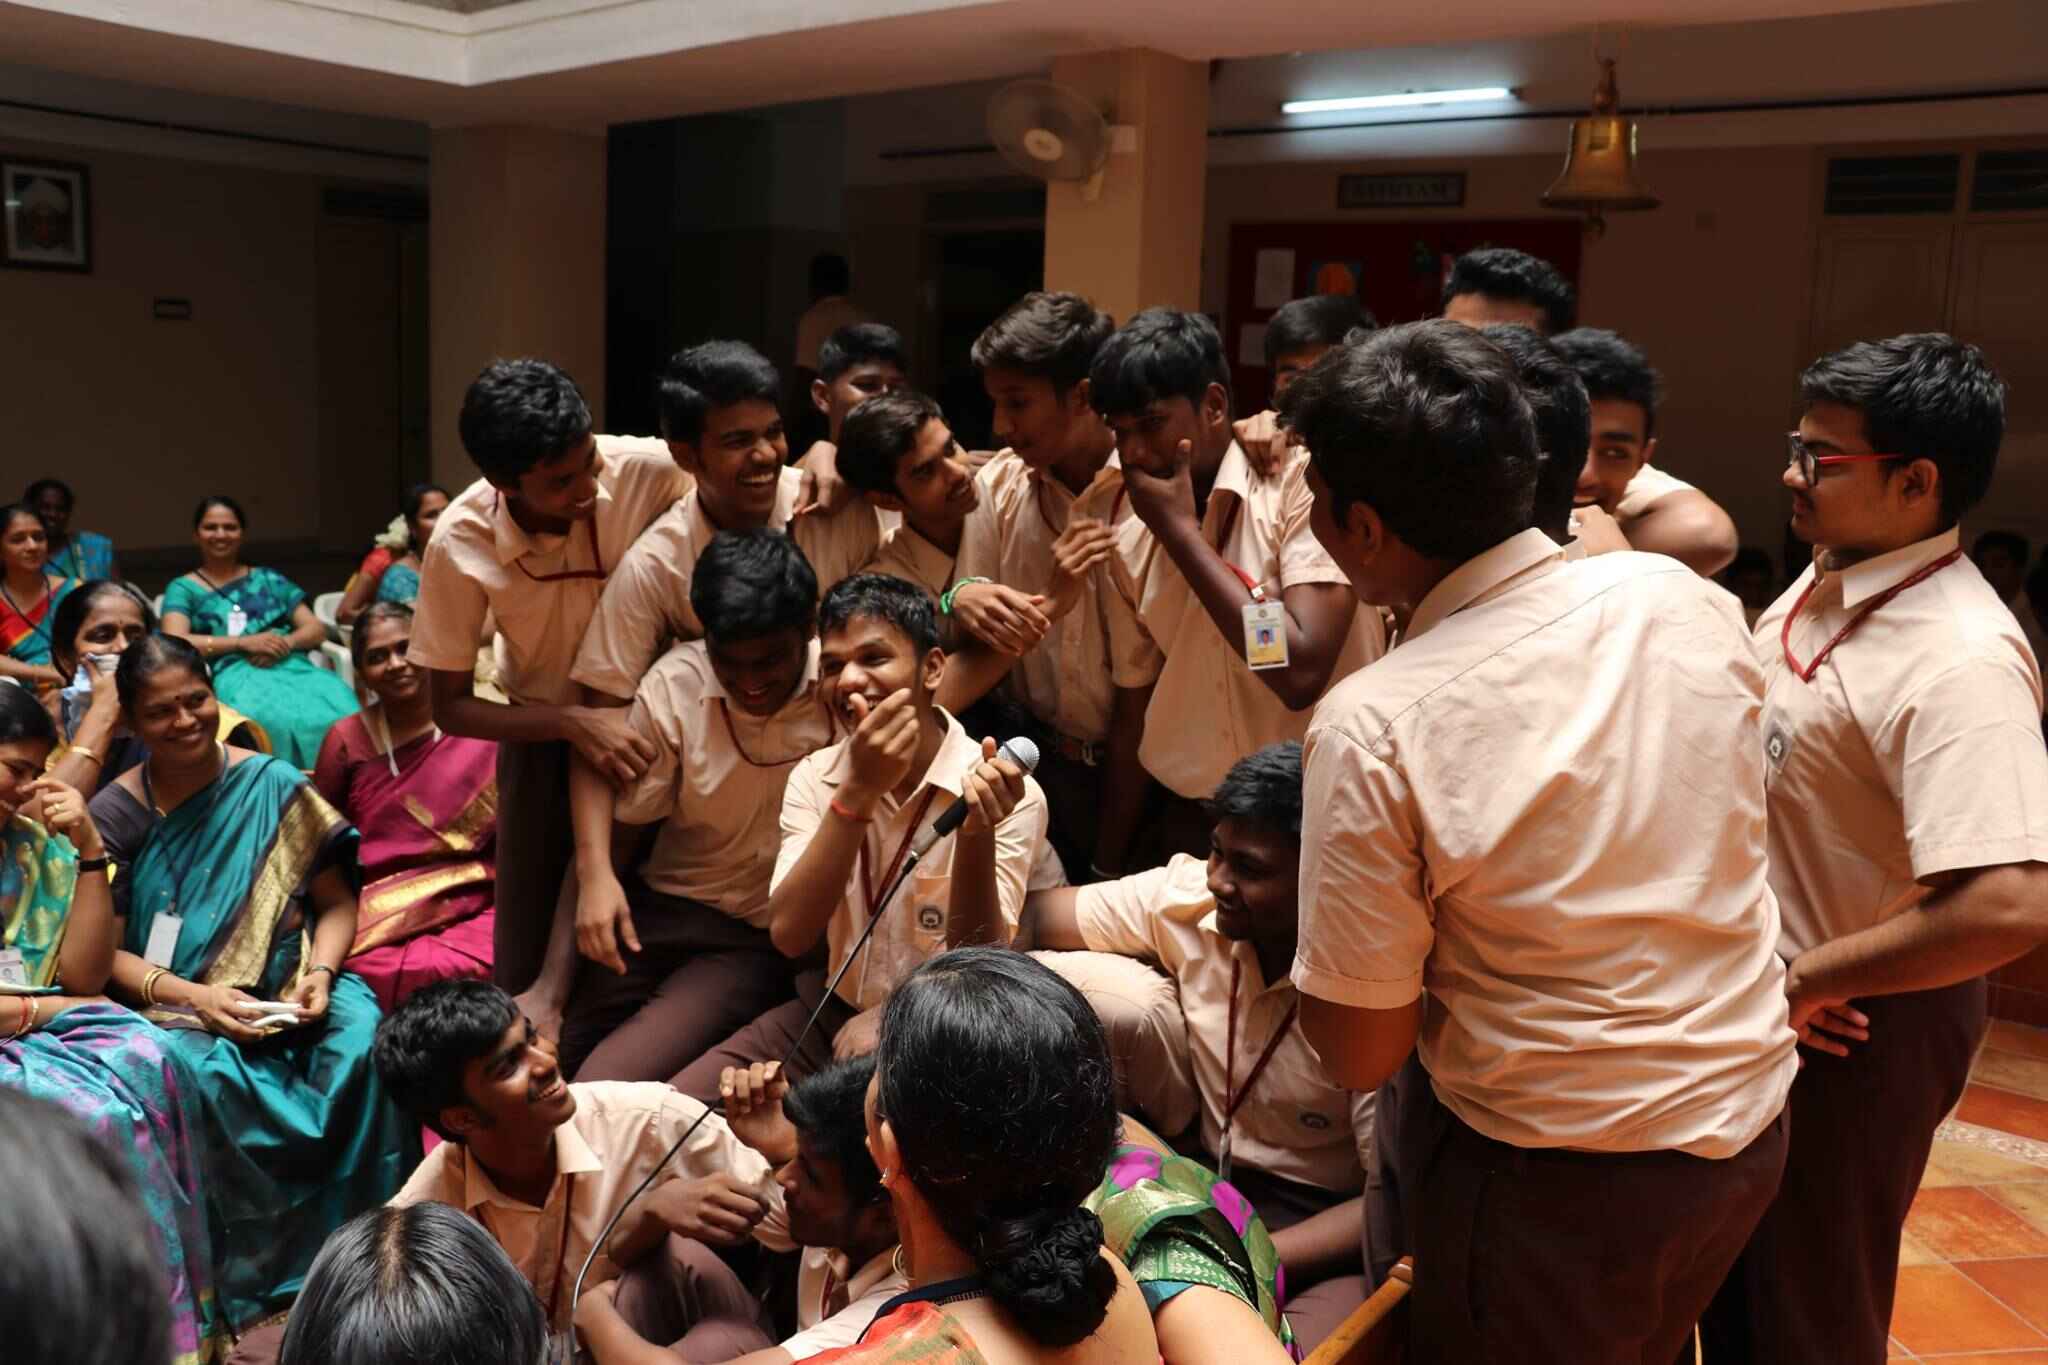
(49, 215)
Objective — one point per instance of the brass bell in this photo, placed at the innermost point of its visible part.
(1599, 173)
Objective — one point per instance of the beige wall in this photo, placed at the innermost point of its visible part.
(143, 417)
(1715, 286)
(516, 266)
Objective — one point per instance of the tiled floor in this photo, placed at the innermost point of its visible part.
(1973, 1268)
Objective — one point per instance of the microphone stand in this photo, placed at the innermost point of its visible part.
(567, 1340)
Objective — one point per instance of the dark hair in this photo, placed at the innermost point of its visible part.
(881, 597)
(399, 1285)
(829, 275)
(1925, 395)
(859, 343)
(752, 583)
(423, 1045)
(92, 1290)
(1613, 368)
(878, 433)
(1318, 320)
(996, 1079)
(213, 500)
(153, 654)
(410, 504)
(1501, 272)
(1564, 420)
(69, 618)
(42, 486)
(359, 637)
(713, 374)
(1051, 336)
(9, 511)
(2011, 542)
(518, 414)
(1426, 423)
(1263, 788)
(830, 1108)
(1161, 353)
(23, 719)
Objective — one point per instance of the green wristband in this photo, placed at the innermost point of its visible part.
(945, 598)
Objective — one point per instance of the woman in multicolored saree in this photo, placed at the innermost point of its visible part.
(236, 907)
(427, 806)
(61, 1041)
(29, 594)
(256, 623)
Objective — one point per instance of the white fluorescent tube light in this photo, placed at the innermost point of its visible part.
(1406, 100)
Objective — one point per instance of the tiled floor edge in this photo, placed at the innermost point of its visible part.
(1992, 1140)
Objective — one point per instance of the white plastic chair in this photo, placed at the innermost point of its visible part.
(336, 658)
(324, 607)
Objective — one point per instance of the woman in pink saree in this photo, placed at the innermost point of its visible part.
(427, 806)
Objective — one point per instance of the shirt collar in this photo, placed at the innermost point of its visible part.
(573, 1156)
(1234, 475)
(805, 695)
(512, 541)
(957, 755)
(789, 486)
(1111, 475)
(1865, 580)
(1236, 950)
(1478, 576)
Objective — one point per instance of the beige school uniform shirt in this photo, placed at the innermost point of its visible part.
(717, 780)
(909, 556)
(915, 926)
(835, 1300)
(620, 1131)
(1293, 1123)
(646, 605)
(480, 563)
(1208, 708)
(1545, 807)
(1915, 750)
(1069, 681)
(1649, 487)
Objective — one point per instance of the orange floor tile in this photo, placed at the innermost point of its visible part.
(1973, 1263)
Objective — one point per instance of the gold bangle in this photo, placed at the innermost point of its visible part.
(149, 999)
(85, 752)
(35, 1013)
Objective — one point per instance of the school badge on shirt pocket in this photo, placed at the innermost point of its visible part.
(1777, 741)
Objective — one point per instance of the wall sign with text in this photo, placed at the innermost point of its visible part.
(1416, 190)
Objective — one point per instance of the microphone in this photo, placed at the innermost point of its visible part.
(1019, 750)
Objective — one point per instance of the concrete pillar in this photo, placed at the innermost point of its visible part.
(516, 253)
(1139, 242)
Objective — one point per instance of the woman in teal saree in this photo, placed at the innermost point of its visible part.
(236, 905)
(257, 627)
(61, 1041)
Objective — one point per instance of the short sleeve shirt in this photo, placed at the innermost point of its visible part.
(1915, 750)
(909, 556)
(1545, 807)
(717, 780)
(1293, 1123)
(1069, 681)
(915, 927)
(646, 604)
(1261, 527)
(1649, 487)
(480, 564)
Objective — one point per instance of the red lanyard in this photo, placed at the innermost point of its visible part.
(590, 525)
(1805, 673)
(733, 733)
(867, 884)
(1233, 1100)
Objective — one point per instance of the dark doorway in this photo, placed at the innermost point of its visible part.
(980, 273)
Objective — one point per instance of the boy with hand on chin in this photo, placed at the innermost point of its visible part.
(898, 452)
(850, 813)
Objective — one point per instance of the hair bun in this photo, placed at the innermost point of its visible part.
(1046, 1268)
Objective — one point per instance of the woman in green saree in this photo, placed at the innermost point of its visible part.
(256, 623)
(236, 906)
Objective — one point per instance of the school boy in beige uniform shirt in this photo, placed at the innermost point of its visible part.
(1536, 811)
(1908, 794)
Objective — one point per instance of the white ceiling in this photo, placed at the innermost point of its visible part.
(587, 63)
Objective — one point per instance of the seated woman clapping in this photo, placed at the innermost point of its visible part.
(235, 907)
(61, 1041)
(256, 623)
(427, 806)
(391, 571)
(992, 1116)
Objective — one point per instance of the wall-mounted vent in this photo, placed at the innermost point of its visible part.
(1893, 184)
(2010, 180)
